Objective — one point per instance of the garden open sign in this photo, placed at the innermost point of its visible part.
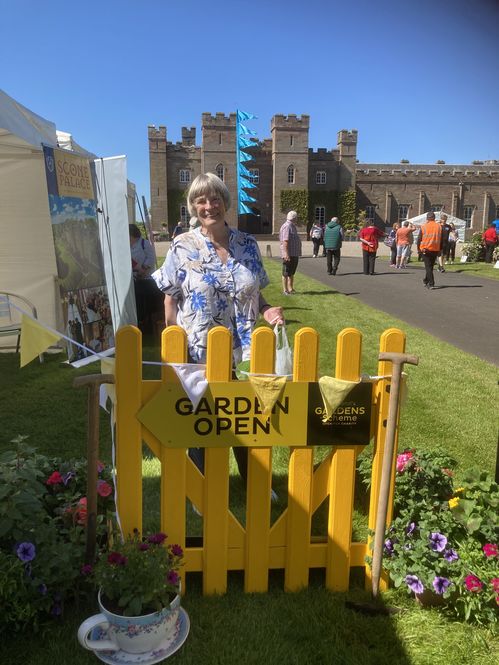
(229, 414)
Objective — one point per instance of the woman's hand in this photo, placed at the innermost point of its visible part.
(274, 315)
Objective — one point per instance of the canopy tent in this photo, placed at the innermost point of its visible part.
(27, 256)
(460, 224)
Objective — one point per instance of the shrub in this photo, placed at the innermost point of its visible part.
(42, 543)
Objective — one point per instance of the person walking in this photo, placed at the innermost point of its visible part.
(450, 257)
(404, 240)
(489, 237)
(290, 251)
(391, 242)
(333, 239)
(369, 237)
(429, 245)
(316, 233)
(446, 229)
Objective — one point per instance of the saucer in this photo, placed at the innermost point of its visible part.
(164, 650)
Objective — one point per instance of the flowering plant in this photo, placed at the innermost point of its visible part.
(139, 576)
(444, 540)
(42, 540)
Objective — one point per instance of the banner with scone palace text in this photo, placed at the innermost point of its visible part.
(80, 266)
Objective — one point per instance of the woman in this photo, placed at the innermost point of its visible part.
(316, 235)
(391, 242)
(212, 276)
(450, 256)
(148, 298)
(369, 237)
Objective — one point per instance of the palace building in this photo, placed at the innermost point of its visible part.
(284, 163)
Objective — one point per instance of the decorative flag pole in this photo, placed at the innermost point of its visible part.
(243, 174)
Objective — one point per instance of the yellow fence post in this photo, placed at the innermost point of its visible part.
(392, 340)
(256, 566)
(173, 460)
(128, 428)
(342, 474)
(299, 514)
(216, 481)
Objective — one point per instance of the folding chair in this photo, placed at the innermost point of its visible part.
(10, 317)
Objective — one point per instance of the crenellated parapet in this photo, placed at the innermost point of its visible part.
(290, 122)
(218, 120)
(156, 133)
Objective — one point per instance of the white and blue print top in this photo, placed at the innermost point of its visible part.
(209, 293)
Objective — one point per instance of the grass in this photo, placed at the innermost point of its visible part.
(452, 402)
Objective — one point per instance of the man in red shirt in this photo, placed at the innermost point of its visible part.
(489, 237)
(369, 237)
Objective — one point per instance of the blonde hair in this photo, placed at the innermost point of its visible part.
(204, 185)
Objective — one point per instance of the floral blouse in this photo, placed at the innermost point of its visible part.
(209, 293)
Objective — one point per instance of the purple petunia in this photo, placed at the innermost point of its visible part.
(414, 583)
(451, 555)
(410, 528)
(177, 550)
(26, 552)
(440, 584)
(437, 542)
(67, 477)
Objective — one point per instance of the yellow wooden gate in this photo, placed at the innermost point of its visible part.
(226, 545)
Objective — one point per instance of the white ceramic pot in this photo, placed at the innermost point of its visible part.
(130, 634)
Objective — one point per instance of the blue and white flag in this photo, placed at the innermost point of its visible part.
(247, 184)
(245, 197)
(245, 156)
(244, 130)
(244, 210)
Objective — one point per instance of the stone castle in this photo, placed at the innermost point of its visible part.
(387, 192)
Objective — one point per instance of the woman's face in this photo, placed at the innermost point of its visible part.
(210, 210)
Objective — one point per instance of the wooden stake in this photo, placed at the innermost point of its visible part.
(93, 383)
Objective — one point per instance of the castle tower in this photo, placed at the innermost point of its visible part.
(158, 177)
(347, 146)
(219, 154)
(289, 160)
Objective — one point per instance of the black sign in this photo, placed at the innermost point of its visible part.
(350, 424)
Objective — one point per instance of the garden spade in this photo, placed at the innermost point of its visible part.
(397, 360)
(93, 383)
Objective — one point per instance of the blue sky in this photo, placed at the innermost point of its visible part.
(417, 79)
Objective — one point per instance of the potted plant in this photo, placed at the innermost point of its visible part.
(442, 545)
(139, 587)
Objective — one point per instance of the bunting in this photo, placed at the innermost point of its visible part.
(35, 339)
(243, 174)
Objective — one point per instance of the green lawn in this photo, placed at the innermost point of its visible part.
(452, 402)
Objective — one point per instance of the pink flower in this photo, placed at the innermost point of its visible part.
(103, 488)
(403, 460)
(81, 511)
(473, 584)
(100, 466)
(172, 577)
(177, 550)
(490, 549)
(495, 583)
(156, 538)
(143, 547)
(86, 569)
(54, 479)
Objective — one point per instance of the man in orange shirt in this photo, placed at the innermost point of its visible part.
(430, 246)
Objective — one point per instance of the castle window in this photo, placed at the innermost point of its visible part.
(291, 140)
(468, 215)
(220, 138)
(220, 171)
(291, 174)
(436, 208)
(403, 212)
(184, 176)
(184, 214)
(320, 177)
(370, 212)
(254, 176)
(320, 214)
